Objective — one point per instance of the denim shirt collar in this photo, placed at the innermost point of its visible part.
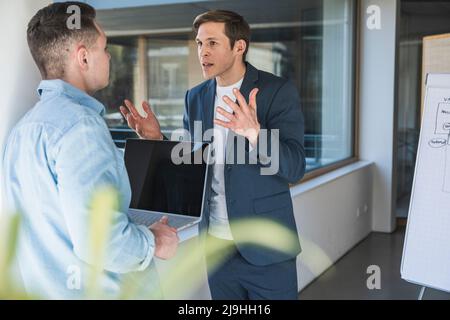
(61, 87)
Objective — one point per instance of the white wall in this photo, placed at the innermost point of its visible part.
(377, 122)
(333, 214)
(19, 77)
(326, 215)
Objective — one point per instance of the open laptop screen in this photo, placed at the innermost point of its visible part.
(158, 183)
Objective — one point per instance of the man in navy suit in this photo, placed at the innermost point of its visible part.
(240, 190)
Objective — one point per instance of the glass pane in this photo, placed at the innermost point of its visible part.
(122, 81)
(168, 81)
(308, 42)
(418, 19)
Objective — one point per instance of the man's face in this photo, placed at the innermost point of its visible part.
(214, 50)
(99, 60)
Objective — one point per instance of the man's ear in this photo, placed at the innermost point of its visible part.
(240, 46)
(82, 57)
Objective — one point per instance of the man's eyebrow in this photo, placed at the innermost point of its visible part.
(211, 38)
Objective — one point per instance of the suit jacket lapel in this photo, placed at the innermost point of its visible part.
(248, 84)
(208, 107)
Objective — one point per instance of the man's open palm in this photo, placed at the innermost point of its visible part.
(146, 127)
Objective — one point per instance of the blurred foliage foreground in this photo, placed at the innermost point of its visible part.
(183, 269)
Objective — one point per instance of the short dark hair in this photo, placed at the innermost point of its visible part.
(236, 28)
(49, 36)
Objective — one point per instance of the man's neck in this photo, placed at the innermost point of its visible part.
(79, 84)
(233, 75)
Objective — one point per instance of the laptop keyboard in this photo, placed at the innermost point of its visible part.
(148, 219)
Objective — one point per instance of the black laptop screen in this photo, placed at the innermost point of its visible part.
(158, 183)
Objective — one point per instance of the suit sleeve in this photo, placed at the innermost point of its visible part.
(285, 136)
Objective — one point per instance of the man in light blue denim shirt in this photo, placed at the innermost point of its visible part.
(59, 154)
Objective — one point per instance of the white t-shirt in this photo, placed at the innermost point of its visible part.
(219, 226)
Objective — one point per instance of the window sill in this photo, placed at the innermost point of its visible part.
(321, 180)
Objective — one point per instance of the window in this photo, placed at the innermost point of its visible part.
(154, 58)
(418, 19)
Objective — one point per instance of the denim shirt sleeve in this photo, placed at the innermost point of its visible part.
(85, 159)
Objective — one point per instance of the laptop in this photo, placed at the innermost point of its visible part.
(162, 186)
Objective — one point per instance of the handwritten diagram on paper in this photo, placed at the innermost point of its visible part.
(442, 140)
(426, 252)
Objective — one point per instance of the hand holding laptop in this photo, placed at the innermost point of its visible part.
(166, 239)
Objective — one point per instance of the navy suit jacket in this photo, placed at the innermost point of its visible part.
(248, 193)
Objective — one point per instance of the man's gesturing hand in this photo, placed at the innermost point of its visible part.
(244, 120)
(146, 127)
(166, 239)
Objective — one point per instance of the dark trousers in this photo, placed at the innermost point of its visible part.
(231, 277)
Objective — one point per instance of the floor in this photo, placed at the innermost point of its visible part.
(347, 278)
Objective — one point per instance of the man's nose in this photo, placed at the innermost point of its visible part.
(204, 52)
